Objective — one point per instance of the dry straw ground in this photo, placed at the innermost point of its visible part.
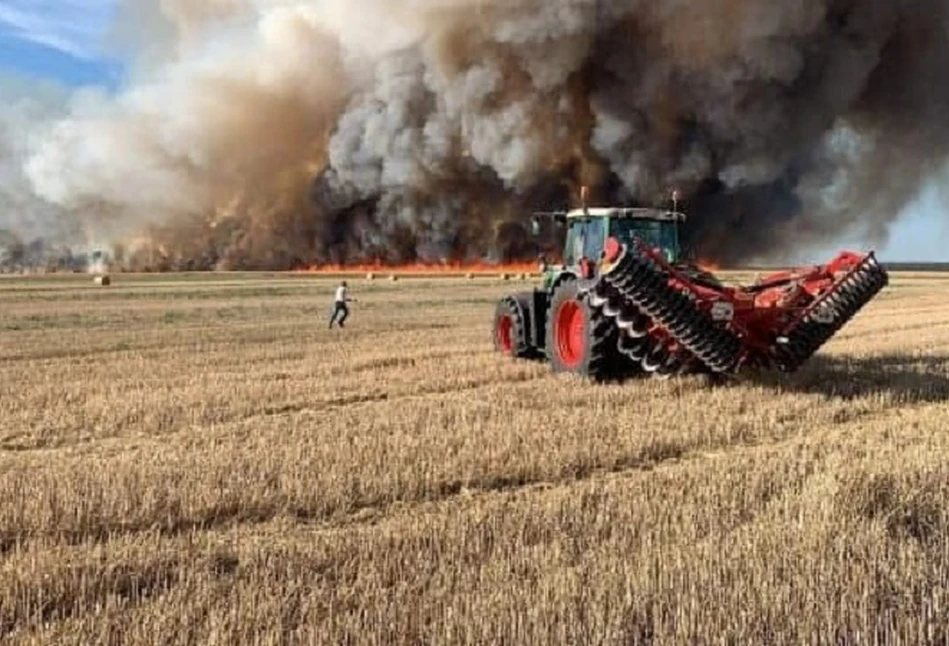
(199, 460)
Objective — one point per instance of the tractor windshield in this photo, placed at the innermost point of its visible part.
(659, 235)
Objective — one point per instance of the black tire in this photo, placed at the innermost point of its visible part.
(591, 350)
(509, 330)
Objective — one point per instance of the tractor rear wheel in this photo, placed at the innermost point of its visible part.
(510, 330)
(580, 339)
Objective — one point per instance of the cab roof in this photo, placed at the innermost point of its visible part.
(660, 215)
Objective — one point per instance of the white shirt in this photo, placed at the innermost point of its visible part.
(340, 294)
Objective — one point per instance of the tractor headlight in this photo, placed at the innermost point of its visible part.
(722, 311)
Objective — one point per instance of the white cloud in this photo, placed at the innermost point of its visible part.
(75, 27)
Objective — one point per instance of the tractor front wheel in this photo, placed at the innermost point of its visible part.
(580, 340)
(510, 330)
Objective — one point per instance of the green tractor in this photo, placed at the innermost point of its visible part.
(627, 301)
(554, 322)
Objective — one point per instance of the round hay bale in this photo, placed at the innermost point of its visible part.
(104, 281)
(469, 275)
(523, 277)
(393, 278)
(370, 276)
(505, 277)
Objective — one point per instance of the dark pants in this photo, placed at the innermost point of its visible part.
(339, 308)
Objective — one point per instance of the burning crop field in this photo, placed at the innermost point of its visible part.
(198, 459)
(191, 455)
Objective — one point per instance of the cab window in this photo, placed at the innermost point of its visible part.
(661, 235)
(595, 238)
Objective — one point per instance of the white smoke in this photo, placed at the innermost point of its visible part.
(25, 109)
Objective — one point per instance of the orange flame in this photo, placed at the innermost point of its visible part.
(447, 269)
(708, 265)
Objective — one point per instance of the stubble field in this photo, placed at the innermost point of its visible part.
(199, 460)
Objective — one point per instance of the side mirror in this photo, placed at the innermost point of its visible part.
(535, 227)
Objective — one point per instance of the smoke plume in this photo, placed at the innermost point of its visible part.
(267, 134)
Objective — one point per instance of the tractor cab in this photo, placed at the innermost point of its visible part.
(588, 229)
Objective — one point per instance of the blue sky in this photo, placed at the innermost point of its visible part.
(62, 40)
(58, 39)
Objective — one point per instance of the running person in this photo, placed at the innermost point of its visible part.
(340, 305)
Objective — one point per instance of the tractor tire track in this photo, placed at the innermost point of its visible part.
(649, 457)
(240, 514)
(338, 402)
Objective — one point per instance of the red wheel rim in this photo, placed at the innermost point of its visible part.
(505, 325)
(570, 333)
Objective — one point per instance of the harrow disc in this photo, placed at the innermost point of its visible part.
(822, 322)
(637, 287)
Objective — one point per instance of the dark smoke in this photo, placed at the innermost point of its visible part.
(785, 125)
(349, 131)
